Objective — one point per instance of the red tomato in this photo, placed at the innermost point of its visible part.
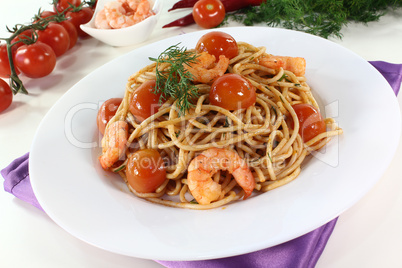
(208, 13)
(5, 70)
(232, 92)
(46, 13)
(218, 43)
(310, 121)
(106, 112)
(35, 60)
(25, 35)
(81, 17)
(144, 102)
(6, 95)
(64, 4)
(72, 32)
(56, 37)
(70, 28)
(145, 170)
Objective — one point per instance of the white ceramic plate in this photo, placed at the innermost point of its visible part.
(96, 207)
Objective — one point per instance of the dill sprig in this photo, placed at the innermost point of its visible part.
(324, 18)
(175, 81)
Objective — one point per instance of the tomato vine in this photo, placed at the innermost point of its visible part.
(19, 37)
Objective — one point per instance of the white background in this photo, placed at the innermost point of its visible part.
(367, 235)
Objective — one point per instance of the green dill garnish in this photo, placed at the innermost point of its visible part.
(119, 168)
(269, 157)
(193, 201)
(175, 81)
(227, 124)
(324, 18)
(273, 108)
(284, 77)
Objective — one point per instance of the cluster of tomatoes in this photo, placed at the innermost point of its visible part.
(35, 47)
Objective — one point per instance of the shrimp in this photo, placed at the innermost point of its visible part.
(116, 143)
(125, 13)
(296, 65)
(117, 15)
(201, 169)
(101, 21)
(142, 10)
(205, 70)
(131, 3)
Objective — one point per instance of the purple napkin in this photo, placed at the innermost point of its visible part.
(303, 251)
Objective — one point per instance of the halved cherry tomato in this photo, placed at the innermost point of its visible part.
(35, 60)
(208, 13)
(145, 170)
(106, 112)
(310, 121)
(64, 4)
(5, 70)
(232, 92)
(144, 102)
(56, 37)
(81, 17)
(6, 95)
(218, 43)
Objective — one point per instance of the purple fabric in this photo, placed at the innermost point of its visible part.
(17, 181)
(391, 72)
(303, 251)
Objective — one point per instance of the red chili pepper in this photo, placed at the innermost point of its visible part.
(230, 5)
(183, 4)
(186, 20)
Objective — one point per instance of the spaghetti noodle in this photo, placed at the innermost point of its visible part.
(260, 134)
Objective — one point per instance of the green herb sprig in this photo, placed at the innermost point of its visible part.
(175, 81)
(324, 18)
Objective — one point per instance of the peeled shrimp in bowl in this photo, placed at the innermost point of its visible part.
(127, 36)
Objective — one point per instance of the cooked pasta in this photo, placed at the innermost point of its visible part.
(260, 135)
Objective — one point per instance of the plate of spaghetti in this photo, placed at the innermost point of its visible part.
(214, 144)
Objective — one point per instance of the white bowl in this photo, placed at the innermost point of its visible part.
(128, 36)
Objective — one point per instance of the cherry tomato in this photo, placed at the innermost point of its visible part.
(144, 102)
(310, 121)
(106, 112)
(218, 43)
(64, 4)
(208, 13)
(25, 35)
(35, 60)
(46, 14)
(56, 37)
(145, 170)
(70, 28)
(232, 92)
(72, 32)
(81, 17)
(6, 95)
(5, 70)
